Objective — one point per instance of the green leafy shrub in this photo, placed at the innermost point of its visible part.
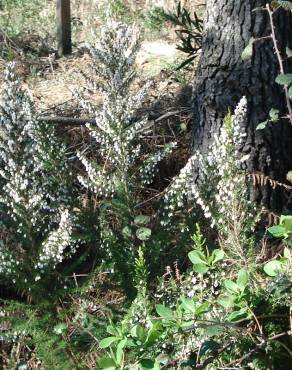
(207, 327)
(189, 32)
(201, 319)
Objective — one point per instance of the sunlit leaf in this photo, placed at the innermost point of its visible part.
(284, 79)
(143, 233)
(217, 255)
(107, 363)
(164, 311)
(239, 314)
(242, 278)
(272, 268)
(262, 125)
(288, 52)
(274, 114)
(141, 220)
(277, 231)
(197, 257)
(248, 50)
(106, 342)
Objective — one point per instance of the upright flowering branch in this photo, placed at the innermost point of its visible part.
(220, 189)
(124, 168)
(35, 196)
(115, 132)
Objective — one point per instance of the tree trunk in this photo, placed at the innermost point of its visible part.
(64, 27)
(223, 78)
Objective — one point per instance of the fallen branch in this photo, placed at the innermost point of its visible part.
(68, 121)
(71, 121)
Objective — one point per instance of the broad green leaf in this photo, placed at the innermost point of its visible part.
(277, 231)
(248, 50)
(283, 260)
(134, 331)
(226, 301)
(232, 287)
(288, 52)
(197, 257)
(239, 314)
(187, 324)
(217, 255)
(242, 278)
(262, 125)
(272, 268)
(127, 232)
(286, 221)
(164, 311)
(153, 334)
(141, 220)
(107, 363)
(202, 308)
(141, 333)
(274, 114)
(111, 330)
(200, 268)
(284, 79)
(106, 342)
(120, 352)
(143, 233)
(131, 343)
(188, 305)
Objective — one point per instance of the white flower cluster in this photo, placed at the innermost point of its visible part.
(149, 168)
(177, 192)
(7, 262)
(53, 248)
(219, 188)
(117, 131)
(33, 178)
(97, 180)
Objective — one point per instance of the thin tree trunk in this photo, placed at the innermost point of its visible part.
(223, 78)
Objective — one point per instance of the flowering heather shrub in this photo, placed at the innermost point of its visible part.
(119, 177)
(115, 132)
(220, 189)
(35, 199)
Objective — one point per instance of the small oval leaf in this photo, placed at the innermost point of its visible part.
(164, 311)
(143, 233)
(272, 268)
(106, 342)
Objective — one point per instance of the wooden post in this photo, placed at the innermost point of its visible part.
(64, 27)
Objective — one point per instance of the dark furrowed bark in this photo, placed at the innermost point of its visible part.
(223, 78)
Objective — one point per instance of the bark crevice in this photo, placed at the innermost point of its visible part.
(223, 78)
